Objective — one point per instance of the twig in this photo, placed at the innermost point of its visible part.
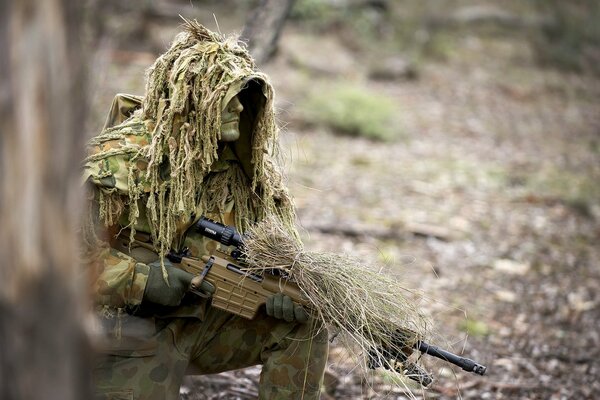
(419, 230)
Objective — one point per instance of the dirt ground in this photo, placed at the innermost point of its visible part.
(488, 205)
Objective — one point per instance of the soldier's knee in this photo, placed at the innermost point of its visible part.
(313, 336)
(305, 338)
(320, 336)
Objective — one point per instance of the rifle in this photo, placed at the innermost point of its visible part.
(242, 292)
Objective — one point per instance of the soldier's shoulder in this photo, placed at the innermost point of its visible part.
(122, 108)
(117, 151)
(128, 136)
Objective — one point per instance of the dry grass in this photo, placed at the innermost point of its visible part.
(371, 312)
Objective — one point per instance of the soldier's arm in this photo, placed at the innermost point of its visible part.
(120, 281)
(112, 161)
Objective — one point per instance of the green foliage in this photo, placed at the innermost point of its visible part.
(475, 328)
(311, 9)
(360, 23)
(315, 15)
(580, 191)
(353, 110)
(571, 39)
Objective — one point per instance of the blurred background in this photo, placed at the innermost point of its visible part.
(456, 141)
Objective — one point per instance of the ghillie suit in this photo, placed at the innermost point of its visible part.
(165, 163)
(153, 171)
(370, 313)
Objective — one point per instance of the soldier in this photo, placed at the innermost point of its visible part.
(202, 141)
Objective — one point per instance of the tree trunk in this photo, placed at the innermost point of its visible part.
(264, 26)
(42, 341)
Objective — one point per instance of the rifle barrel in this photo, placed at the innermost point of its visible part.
(465, 363)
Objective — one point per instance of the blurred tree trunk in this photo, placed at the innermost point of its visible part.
(42, 340)
(263, 27)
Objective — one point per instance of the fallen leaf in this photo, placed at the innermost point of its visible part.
(506, 295)
(511, 267)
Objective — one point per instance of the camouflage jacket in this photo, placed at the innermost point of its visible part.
(123, 267)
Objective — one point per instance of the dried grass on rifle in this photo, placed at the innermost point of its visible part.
(370, 310)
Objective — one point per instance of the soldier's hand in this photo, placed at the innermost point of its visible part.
(282, 307)
(159, 292)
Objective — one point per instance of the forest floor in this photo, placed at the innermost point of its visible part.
(487, 204)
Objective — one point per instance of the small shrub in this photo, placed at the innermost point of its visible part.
(310, 9)
(580, 191)
(571, 38)
(315, 15)
(354, 111)
(475, 328)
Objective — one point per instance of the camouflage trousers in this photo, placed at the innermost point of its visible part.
(150, 362)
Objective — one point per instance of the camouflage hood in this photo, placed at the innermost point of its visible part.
(176, 167)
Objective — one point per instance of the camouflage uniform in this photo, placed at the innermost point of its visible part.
(144, 353)
(293, 355)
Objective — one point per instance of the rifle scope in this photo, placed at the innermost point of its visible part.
(223, 234)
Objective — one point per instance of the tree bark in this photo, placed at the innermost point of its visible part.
(263, 27)
(42, 340)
